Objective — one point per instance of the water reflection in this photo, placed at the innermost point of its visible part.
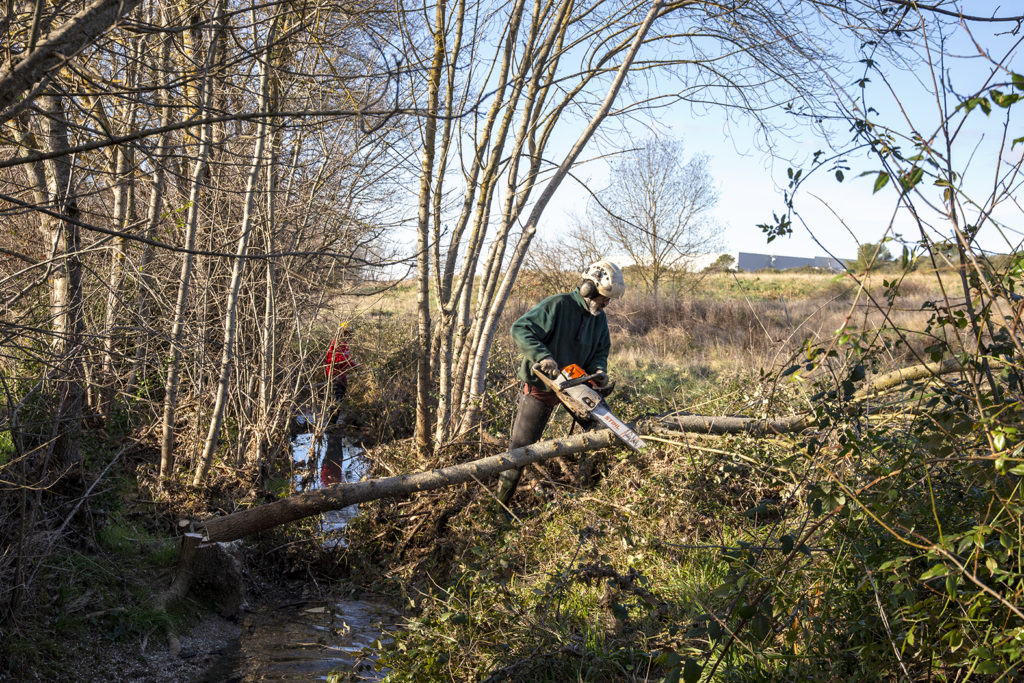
(325, 459)
(306, 642)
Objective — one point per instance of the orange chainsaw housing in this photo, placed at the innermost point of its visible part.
(572, 371)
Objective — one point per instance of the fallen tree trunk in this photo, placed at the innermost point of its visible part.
(249, 521)
(245, 522)
(907, 375)
(720, 424)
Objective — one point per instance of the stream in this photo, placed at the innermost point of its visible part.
(312, 640)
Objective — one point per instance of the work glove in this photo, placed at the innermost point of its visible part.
(549, 367)
(602, 382)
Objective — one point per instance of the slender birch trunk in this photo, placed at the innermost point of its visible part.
(230, 315)
(124, 200)
(423, 407)
(479, 182)
(66, 304)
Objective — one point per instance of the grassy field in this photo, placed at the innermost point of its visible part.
(704, 558)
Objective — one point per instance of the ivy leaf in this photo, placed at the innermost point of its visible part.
(881, 181)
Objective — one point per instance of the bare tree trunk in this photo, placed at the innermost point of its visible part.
(124, 205)
(454, 295)
(230, 315)
(18, 76)
(481, 351)
(157, 182)
(66, 289)
(181, 303)
(423, 404)
(268, 339)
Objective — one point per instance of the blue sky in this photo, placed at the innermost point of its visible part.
(751, 180)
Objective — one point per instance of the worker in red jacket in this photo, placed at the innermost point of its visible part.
(339, 361)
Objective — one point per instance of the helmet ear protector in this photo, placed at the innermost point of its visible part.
(606, 278)
(588, 289)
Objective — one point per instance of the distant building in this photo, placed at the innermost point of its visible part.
(751, 262)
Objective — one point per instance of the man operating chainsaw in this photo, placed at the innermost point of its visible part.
(561, 330)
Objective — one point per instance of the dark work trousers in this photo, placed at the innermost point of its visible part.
(531, 418)
(340, 387)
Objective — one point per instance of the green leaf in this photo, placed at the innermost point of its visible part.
(911, 178)
(714, 629)
(692, 671)
(985, 106)
(1004, 100)
(669, 659)
(935, 571)
(839, 176)
(787, 542)
(761, 626)
(1015, 141)
(999, 440)
(1018, 81)
(881, 181)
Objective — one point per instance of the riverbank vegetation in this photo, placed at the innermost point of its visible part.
(840, 553)
(196, 196)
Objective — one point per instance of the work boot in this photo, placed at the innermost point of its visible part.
(507, 482)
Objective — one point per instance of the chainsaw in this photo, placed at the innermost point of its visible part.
(574, 388)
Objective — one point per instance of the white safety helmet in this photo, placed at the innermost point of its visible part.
(607, 278)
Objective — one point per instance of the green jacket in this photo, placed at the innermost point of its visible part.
(561, 326)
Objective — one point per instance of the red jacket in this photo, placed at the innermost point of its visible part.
(339, 360)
